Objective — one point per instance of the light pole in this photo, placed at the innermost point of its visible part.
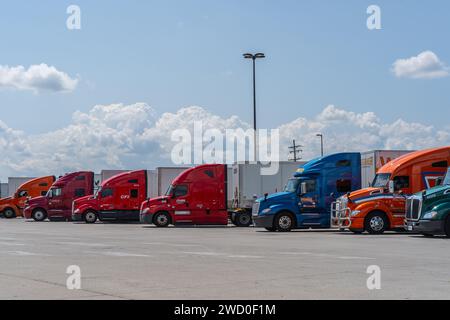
(254, 57)
(321, 142)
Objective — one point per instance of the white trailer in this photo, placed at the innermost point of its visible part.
(4, 190)
(162, 179)
(247, 183)
(372, 161)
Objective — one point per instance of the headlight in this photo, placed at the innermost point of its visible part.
(266, 210)
(355, 213)
(430, 215)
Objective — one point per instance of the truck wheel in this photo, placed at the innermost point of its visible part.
(243, 219)
(39, 215)
(90, 217)
(9, 213)
(161, 220)
(447, 227)
(376, 223)
(284, 222)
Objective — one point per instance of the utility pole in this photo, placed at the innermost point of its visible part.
(294, 150)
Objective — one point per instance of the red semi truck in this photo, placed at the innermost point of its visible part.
(57, 203)
(118, 198)
(197, 196)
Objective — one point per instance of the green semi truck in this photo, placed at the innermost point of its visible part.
(428, 212)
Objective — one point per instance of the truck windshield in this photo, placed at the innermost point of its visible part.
(292, 185)
(447, 178)
(381, 180)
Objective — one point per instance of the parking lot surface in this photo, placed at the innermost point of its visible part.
(133, 261)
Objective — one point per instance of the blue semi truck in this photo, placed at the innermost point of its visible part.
(307, 198)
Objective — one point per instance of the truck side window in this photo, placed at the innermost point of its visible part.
(310, 186)
(209, 173)
(43, 193)
(134, 193)
(23, 193)
(43, 184)
(80, 178)
(401, 182)
(343, 186)
(133, 181)
(107, 193)
(180, 191)
(344, 163)
(80, 193)
(440, 164)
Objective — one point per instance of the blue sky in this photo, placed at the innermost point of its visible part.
(172, 54)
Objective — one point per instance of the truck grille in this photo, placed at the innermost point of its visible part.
(413, 208)
(255, 208)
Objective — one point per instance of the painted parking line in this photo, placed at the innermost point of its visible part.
(326, 255)
(26, 254)
(119, 254)
(225, 255)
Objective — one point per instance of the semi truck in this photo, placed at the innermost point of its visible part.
(57, 203)
(118, 198)
(12, 207)
(428, 212)
(382, 206)
(213, 194)
(305, 202)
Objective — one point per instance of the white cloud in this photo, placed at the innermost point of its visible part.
(36, 78)
(424, 66)
(134, 137)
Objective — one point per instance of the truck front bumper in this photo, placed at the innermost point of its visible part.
(146, 218)
(426, 227)
(263, 221)
(77, 217)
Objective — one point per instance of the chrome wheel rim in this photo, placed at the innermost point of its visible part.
(285, 222)
(162, 220)
(377, 223)
(90, 216)
(39, 215)
(244, 219)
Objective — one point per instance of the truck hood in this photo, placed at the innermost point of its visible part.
(38, 201)
(364, 193)
(5, 200)
(276, 197)
(436, 190)
(158, 200)
(84, 200)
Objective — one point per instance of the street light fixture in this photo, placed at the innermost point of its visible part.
(321, 142)
(253, 57)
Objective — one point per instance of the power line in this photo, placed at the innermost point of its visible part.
(295, 150)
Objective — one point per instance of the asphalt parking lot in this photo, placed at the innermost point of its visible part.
(133, 261)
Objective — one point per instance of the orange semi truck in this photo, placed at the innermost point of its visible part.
(12, 207)
(381, 207)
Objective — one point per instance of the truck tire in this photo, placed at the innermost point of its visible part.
(90, 217)
(243, 219)
(161, 220)
(376, 222)
(447, 227)
(39, 215)
(284, 222)
(9, 213)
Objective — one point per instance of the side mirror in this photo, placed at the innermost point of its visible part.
(391, 186)
(303, 189)
(332, 195)
(439, 181)
(265, 196)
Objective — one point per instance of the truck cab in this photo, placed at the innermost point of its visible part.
(306, 199)
(118, 198)
(12, 207)
(381, 207)
(198, 196)
(428, 212)
(57, 203)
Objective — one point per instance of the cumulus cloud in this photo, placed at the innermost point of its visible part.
(135, 136)
(36, 78)
(426, 65)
